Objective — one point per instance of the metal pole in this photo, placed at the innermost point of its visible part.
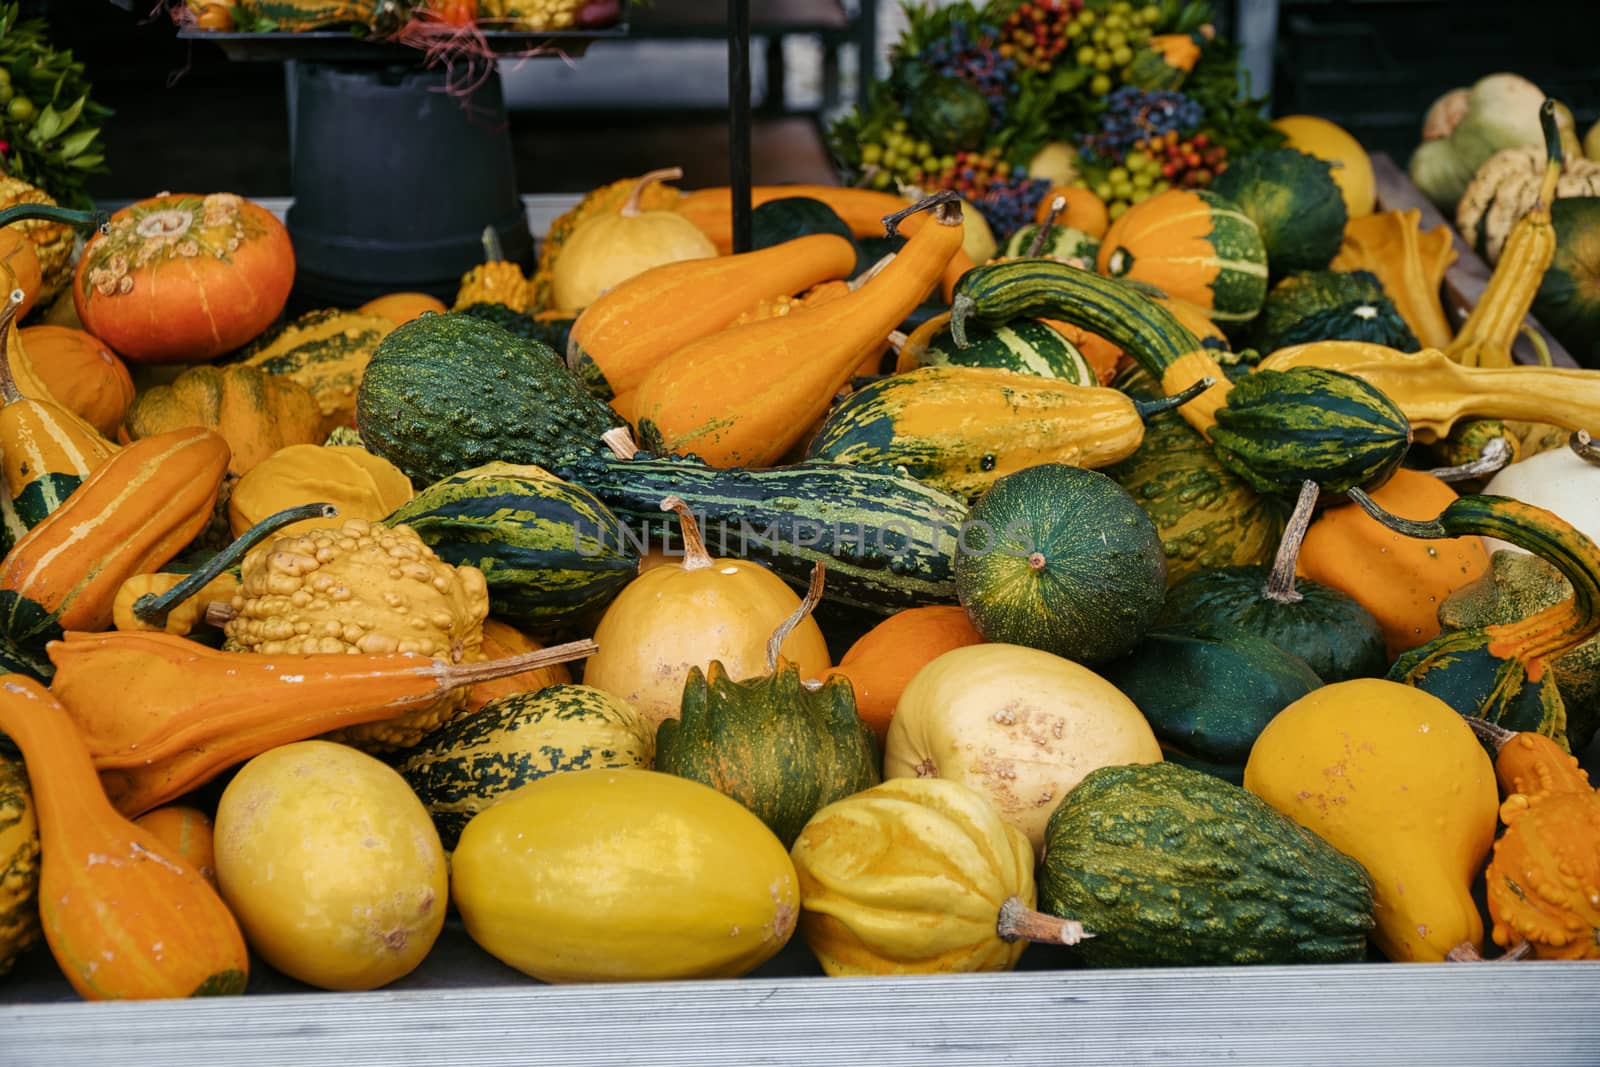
(739, 178)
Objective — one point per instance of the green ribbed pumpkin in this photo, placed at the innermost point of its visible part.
(1294, 202)
(1027, 346)
(778, 748)
(552, 554)
(470, 762)
(19, 862)
(1168, 866)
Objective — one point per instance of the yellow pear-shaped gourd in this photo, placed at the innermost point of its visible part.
(613, 247)
(1394, 778)
(623, 875)
(686, 613)
(908, 877)
(361, 485)
(1019, 725)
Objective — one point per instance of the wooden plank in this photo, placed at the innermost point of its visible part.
(1464, 282)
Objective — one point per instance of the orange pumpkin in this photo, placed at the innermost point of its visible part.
(883, 661)
(401, 308)
(81, 373)
(1085, 212)
(183, 278)
(1400, 580)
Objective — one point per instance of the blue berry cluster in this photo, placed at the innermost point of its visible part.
(974, 57)
(1010, 205)
(1133, 115)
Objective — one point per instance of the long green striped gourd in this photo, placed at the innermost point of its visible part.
(1284, 429)
(551, 553)
(19, 862)
(1026, 346)
(473, 760)
(888, 540)
(1501, 672)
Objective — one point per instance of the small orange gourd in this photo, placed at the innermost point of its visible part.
(883, 661)
(81, 373)
(189, 833)
(1399, 579)
(719, 398)
(1083, 211)
(401, 308)
(124, 915)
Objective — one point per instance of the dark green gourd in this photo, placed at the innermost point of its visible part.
(447, 392)
(1294, 202)
(1327, 305)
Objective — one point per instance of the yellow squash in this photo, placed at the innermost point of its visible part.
(1394, 778)
(624, 875)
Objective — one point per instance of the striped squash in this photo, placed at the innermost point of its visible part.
(887, 539)
(1027, 346)
(552, 554)
(1192, 245)
(132, 515)
(294, 16)
(469, 763)
(19, 862)
(327, 352)
(960, 429)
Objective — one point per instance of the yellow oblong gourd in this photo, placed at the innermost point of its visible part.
(1394, 778)
(624, 875)
(908, 877)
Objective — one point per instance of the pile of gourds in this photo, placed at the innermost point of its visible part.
(925, 608)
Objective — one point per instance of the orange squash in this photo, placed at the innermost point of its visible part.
(500, 641)
(1084, 211)
(883, 661)
(189, 833)
(1400, 580)
(719, 397)
(627, 331)
(19, 259)
(124, 915)
(401, 308)
(183, 278)
(255, 412)
(82, 373)
(160, 714)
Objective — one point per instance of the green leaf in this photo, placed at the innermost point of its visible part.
(76, 143)
(47, 125)
(69, 116)
(86, 162)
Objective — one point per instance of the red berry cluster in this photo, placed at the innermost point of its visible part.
(1036, 32)
(1191, 161)
(974, 172)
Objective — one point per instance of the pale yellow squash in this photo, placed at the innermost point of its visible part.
(1394, 778)
(331, 865)
(361, 485)
(624, 875)
(908, 877)
(1019, 725)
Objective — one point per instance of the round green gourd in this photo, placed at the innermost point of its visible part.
(1325, 305)
(1027, 346)
(1168, 866)
(1208, 690)
(1294, 202)
(951, 114)
(1061, 559)
(1568, 301)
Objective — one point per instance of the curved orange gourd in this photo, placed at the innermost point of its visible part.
(80, 372)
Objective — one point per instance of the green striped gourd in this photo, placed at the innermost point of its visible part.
(1330, 428)
(19, 862)
(470, 762)
(551, 553)
(1026, 346)
(295, 16)
(327, 352)
(888, 540)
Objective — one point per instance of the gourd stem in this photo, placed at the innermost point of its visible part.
(1430, 530)
(695, 556)
(1018, 922)
(9, 394)
(1581, 443)
(630, 207)
(492, 250)
(1036, 246)
(960, 310)
(1541, 351)
(897, 341)
(219, 613)
(1555, 157)
(1148, 409)
(153, 608)
(1496, 454)
(1280, 582)
(1467, 952)
(945, 204)
(51, 213)
(620, 440)
(786, 627)
(1492, 734)
(456, 675)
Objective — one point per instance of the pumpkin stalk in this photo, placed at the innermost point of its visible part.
(1149, 409)
(1467, 952)
(153, 608)
(630, 207)
(1018, 922)
(493, 251)
(619, 439)
(813, 597)
(1036, 246)
(1280, 582)
(1491, 734)
(81, 220)
(1496, 454)
(1581, 443)
(695, 556)
(945, 205)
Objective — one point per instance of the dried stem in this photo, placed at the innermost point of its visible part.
(1491, 734)
(1496, 454)
(786, 627)
(695, 556)
(1280, 582)
(945, 204)
(619, 439)
(456, 675)
(631, 207)
(1042, 234)
(1018, 922)
(1467, 952)
(1581, 443)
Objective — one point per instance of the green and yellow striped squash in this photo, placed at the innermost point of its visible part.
(294, 16)
(1207, 517)
(1027, 346)
(960, 429)
(327, 352)
(1502, 671)
(19, 862)
(887, 539)
(470, 762)
(1192, 245)
(553, 555)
